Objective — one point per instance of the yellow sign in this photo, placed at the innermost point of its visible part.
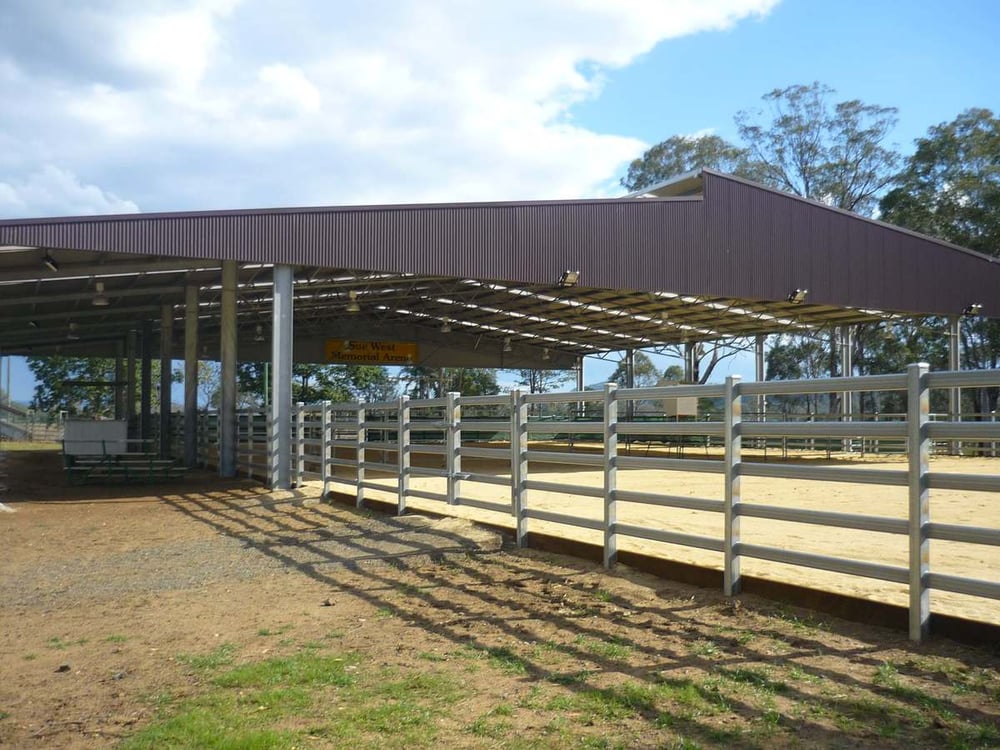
(371, 352)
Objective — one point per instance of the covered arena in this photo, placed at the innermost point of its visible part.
(540, 285)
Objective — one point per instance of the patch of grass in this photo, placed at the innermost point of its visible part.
(757, 678)
(570, 678)
(30, 657)
(4, 715)
(299, 670)
(115, 638)
(215, 725)
(222, 656)
(609, 704)
(489, 725)
(602, 595)
(22, 445)
(612, 648)
(429, 656)
(705, 648)
(501, 658)
(795, 672)
(334, 635)
(275, 631)
(385, 613)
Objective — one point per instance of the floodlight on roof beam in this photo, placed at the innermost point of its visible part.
(50, 263)
(352, 304)
(446, 326)
(506, 344)
(569, 278)
(972, 310)
(798, 296)
(100, 298)
(259, 335)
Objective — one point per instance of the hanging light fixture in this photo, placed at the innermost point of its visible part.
(259, 335)
(352, 304)
(545, 354)
(506, 344)
(50, 263)
(446, 326)
(100, 298)
(72, 335)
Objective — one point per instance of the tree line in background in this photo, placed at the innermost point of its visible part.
(800, 141)
(839, 153)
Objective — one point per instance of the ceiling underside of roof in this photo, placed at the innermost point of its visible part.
(44, 311)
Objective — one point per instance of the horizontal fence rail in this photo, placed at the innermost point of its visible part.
(383, 446)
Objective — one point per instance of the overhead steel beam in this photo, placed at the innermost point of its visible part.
(69, 270)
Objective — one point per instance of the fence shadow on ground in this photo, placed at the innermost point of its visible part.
(717, 661)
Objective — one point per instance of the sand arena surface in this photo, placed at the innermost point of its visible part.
(947, 506)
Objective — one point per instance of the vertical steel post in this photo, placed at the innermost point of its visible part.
(918, 453)
(519, 464)
(119, 378)
(282, 314)
(731, 506)
(846, 370)
(300, 443)
(360, 455)
(130, 349)
(955, 364)
(227, 353)
(453, 445)
(403, 451)
(610, 474)
(191, 375)
(146, 385)
(760, 375)
(166, 381)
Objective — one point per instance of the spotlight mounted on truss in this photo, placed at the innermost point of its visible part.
(50, 263)
(352, 302)
(259, 334)
(446, 326)
(546, 356)
(100, 298)
(569, 278)
(972, 310)
(798, 296)
(507, 344)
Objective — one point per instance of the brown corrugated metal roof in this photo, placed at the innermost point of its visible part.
(722, 263)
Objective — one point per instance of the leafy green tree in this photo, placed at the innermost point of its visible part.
(427, 382)
(645, 374)
(679, 154)
(950, 188)
(836, 153)
(543, 381)
(53, 393)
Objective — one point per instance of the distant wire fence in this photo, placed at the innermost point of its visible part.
(31, 426)
(382, 447)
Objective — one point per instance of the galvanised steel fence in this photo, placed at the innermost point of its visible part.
(343, 444)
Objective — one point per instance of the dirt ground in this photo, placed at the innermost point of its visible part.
(103, 590)
(953, 507)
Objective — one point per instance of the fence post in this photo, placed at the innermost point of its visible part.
(326, 437)
(453, 443)
(300, 442)
(610, 474)
(359, 455)
(250, 425)
(519, 464)
(403, 451)
(731, 507)
(918, 452)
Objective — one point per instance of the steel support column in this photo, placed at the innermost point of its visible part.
(191, 376)
(760, 375)
(279, 449)
(146, 384)
(955, 364)
(119, 377)
(227, 352)
(846, 370)
(629, 382)
(166, 381)
(130, 345)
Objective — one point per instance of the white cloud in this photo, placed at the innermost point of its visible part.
(223, 103)
(53, 190)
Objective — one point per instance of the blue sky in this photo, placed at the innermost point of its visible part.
(225, 103)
